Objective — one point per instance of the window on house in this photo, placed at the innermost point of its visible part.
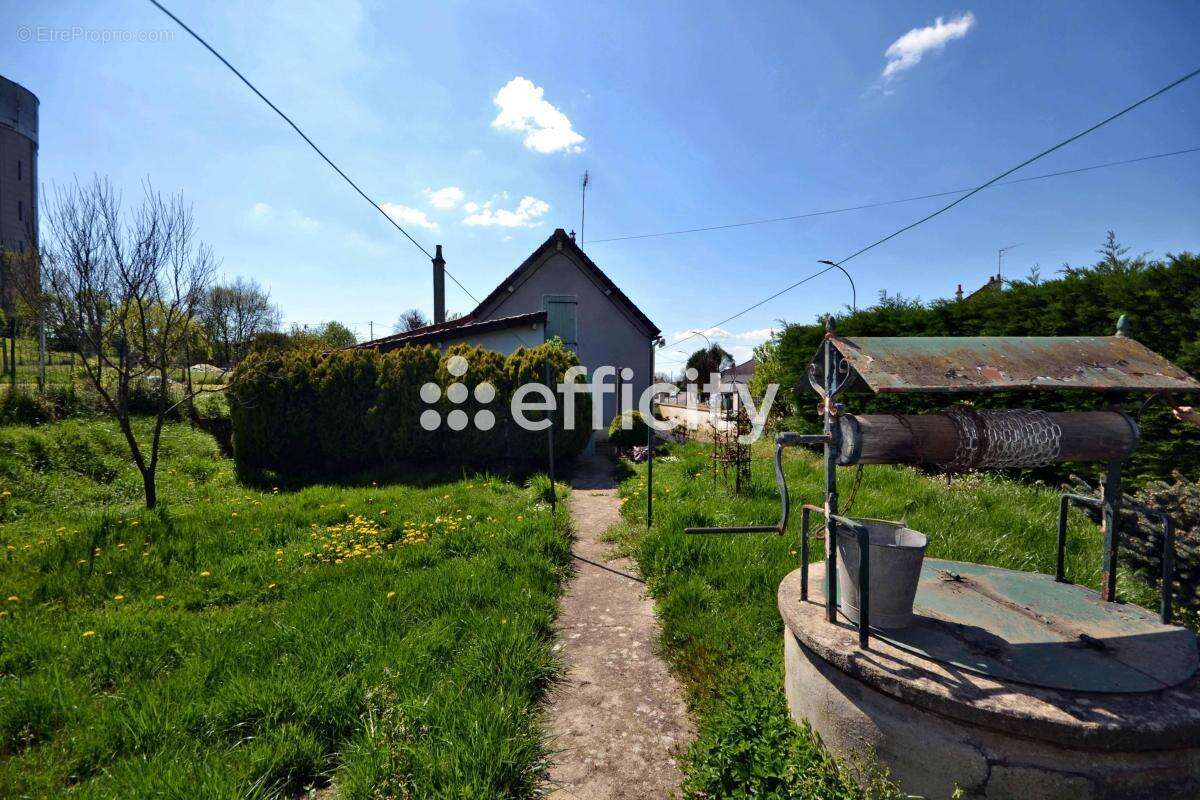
(561, 320)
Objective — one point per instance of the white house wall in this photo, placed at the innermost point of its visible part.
(505, 340)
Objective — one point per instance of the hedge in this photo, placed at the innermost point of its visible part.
(634, 435)
(316, 413)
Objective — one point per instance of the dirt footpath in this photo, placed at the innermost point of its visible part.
(618, 722)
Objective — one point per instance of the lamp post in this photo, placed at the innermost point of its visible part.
(853, 289)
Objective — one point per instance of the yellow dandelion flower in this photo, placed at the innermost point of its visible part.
(12, 598)
(390, 595)
(233, 513)
(270, 586)
(87, 634)
(120, 598)
(205, 574)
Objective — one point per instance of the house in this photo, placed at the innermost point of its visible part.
(557, 291)
(731, 379)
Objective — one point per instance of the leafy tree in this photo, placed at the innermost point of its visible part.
(336, 335)
(331, 335)
(708, 360)
(769, 369)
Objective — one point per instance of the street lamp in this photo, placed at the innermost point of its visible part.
(853, 290)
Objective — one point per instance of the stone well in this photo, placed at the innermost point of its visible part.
(1009, 685)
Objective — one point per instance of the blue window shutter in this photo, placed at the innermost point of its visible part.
(561, 318)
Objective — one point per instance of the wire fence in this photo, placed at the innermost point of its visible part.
(20, 368)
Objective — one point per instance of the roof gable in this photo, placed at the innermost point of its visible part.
(559, 241)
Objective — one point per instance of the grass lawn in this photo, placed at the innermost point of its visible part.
(255, 642)
(716, 594)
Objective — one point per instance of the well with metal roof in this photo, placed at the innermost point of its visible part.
(1004, 684)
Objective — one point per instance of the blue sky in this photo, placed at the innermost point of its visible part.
(686, 114)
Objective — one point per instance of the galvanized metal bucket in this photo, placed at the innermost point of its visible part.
(897, 552)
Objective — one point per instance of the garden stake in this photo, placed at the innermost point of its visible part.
(550, 449)
(649, 474)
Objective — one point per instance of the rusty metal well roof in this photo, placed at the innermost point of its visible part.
(995, 363)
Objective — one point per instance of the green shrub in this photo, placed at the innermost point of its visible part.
(304, 412)
(21, 406)
(628, 429)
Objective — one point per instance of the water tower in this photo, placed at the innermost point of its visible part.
(18, 182)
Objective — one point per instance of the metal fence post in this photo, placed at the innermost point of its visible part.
(550, 446)
(649, 472)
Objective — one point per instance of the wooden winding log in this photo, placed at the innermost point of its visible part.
(933, 438)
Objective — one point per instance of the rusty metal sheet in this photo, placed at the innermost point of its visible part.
(995, 363)
(1026, 627)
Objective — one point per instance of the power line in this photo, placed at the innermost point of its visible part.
(955, 202)
(879, 204)
(302, 135)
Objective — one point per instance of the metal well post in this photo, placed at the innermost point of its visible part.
(831, 504)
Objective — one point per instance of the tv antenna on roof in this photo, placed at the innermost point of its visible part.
(583, 202)
(1000, 255)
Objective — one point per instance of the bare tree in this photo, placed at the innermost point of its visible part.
(125, 287)
(411, 320)
(233, 314)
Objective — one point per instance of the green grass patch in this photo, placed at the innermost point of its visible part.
(717, 594)
(254, 642)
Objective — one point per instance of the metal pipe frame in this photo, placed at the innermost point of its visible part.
(863, 536)
(1064, 502)
(781, 441)
(805, 512)
(1165, 607)
(1110, 496)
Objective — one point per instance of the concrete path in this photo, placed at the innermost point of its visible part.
(618, 721)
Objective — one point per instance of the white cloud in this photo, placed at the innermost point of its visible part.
(289, 218)
(740, 352)
(445, 198)
(759, 335)
(407, 216)
(523, 109)
(526, 215)
(268, 223)
(907, 51)
(470, 206)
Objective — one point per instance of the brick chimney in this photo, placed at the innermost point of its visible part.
(439, 287)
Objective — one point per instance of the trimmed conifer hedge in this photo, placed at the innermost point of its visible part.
(310, 412)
